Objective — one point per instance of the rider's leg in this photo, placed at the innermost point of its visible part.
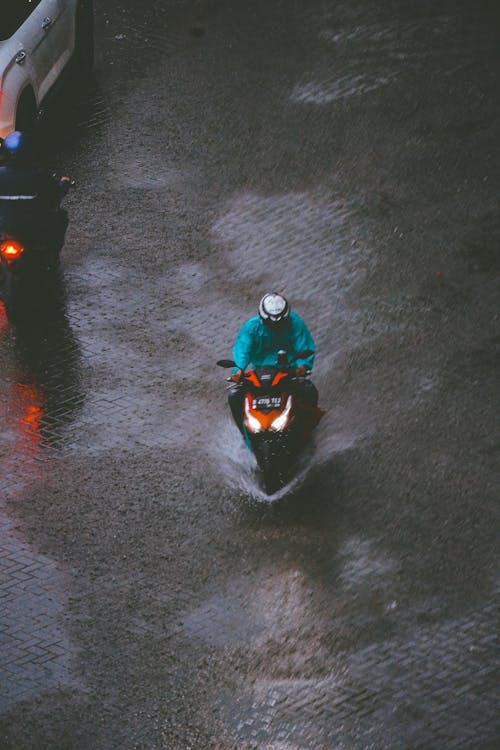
(306, 391)
(235, 399)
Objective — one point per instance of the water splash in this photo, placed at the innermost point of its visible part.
(240, 469)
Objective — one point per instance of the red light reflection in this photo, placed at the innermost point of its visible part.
(30, 401)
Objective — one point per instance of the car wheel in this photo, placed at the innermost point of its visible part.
(26, 114)
(84, 38)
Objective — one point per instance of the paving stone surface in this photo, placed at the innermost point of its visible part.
(151, 596)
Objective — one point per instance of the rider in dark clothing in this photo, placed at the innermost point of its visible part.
(30, 197)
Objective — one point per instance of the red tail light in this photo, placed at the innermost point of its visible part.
(11, 250)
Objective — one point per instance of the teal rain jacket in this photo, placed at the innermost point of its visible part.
(258, 344)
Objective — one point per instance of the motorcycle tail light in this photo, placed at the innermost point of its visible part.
(11, 250)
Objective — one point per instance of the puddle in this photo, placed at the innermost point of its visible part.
(390, 52)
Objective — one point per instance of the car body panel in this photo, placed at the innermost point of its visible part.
(35, 56)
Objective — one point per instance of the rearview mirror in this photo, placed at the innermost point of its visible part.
(226, 363)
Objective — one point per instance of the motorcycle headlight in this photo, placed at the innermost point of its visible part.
(251, 422)
(281, 422)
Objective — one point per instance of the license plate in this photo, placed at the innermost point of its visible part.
(266, 402)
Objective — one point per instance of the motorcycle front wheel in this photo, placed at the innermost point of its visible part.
(272, 479)
(274, 465)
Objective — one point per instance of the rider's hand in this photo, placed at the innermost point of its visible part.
(237, 376)
(300, 371)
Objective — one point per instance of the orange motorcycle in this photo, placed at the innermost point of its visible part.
(277, 422)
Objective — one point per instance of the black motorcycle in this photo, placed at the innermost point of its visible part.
(28, 267)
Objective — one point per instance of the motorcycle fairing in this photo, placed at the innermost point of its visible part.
(252, 378)
(279, 377)
(265, 417)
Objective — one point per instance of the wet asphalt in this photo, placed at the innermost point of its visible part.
(151, 596)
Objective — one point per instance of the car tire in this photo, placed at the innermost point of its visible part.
(84, 38)
(26, 114)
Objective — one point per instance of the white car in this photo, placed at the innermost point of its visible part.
(39, 41)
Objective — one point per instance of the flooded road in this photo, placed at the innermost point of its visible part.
(152, 596)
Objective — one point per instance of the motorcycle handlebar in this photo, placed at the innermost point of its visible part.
(246, 376)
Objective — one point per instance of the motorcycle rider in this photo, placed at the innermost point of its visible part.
(258, 342)
(30, 196)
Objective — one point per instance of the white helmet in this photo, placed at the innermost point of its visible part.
(273, 308)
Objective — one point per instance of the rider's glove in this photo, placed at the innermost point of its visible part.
(300, 371)
(237, 376)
